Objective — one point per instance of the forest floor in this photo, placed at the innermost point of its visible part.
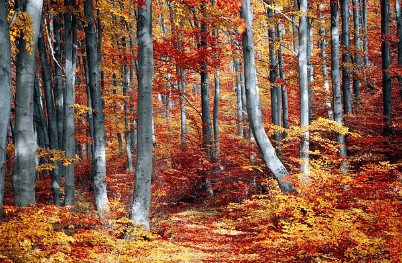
(207, 232)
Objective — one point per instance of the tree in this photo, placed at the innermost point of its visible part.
(23, 176)
(51, 114)
(303, 85)
(253, 110)
(386, 75)
(336, 84)
(99, 149)
(5, 91)
(142, 187)
(347, 99)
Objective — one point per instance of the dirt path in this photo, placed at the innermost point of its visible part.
(210, 238)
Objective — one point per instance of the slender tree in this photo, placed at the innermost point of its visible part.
(345, 40)
(23, 176)
(142, 188)
(303, 85)
(386, 75)
(99, 151)
(5, 91)
(51, 115)
(398, 13)
(253, 110)
(70, 46)
(356, 24)
(336, 84)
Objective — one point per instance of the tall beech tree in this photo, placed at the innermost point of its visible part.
(304, 90)
(23, 176)
(142, 187)
(345, 41)
(70, 53)
(93, 49)
(5, 91)
(51, 115)
(336, 82)
(386, 64)
(253, 109)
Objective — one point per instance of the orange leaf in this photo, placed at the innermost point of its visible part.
(242, 26)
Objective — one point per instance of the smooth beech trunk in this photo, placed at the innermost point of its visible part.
(254, 112)
(356, 24)
(23, 177)
(99, 144)
(304, 90)
(386, 75)
(142, 187)
(345, 40)
(335, 73)
(398, 14)
(51, 114)
(69, 101)
(5, 91)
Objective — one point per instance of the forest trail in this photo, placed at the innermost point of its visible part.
(210, 237)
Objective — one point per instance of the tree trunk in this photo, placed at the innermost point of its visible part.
(322, 45)
(182, 87)
(5, 91)
(303, 85)
(126, 110)
(336, 84)
(23, 177)
(398, 13)
(142, 188)
(254, 112)
(386, 75)
(347, 99)
(364, 27)
(99, 148)
(239, 98)
(69, 101)
(58, 80)
(51, 116)
(356, 24)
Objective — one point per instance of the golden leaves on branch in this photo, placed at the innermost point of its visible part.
(55, 156)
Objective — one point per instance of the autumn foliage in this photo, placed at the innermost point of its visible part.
(339, 215)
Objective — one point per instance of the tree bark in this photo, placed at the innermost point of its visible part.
(336, 84)
(142, 188)
(99, 144)
(254, 112)
(51, 116)
(386, 75)
(347, 99)
(69, 101)
(398, 13)
(5, 91)
(303, 85)
(23, 177)
(356, 24)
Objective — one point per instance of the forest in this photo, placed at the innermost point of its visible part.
(200, 131)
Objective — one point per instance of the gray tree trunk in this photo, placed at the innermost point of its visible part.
(364, 28)
(142, 188)
(51, 116)
(183, 117)
(303, 85)
(323, 46)
(254, 112)
(58, 81)
(356, 24)
(5, 91)
(283, 91)
(99, 148)
(239, 99)
(398, 13)
(347, 97)
(126, 112)
(23, 177)
(69, 101)
(386, 75)
(336, 83)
